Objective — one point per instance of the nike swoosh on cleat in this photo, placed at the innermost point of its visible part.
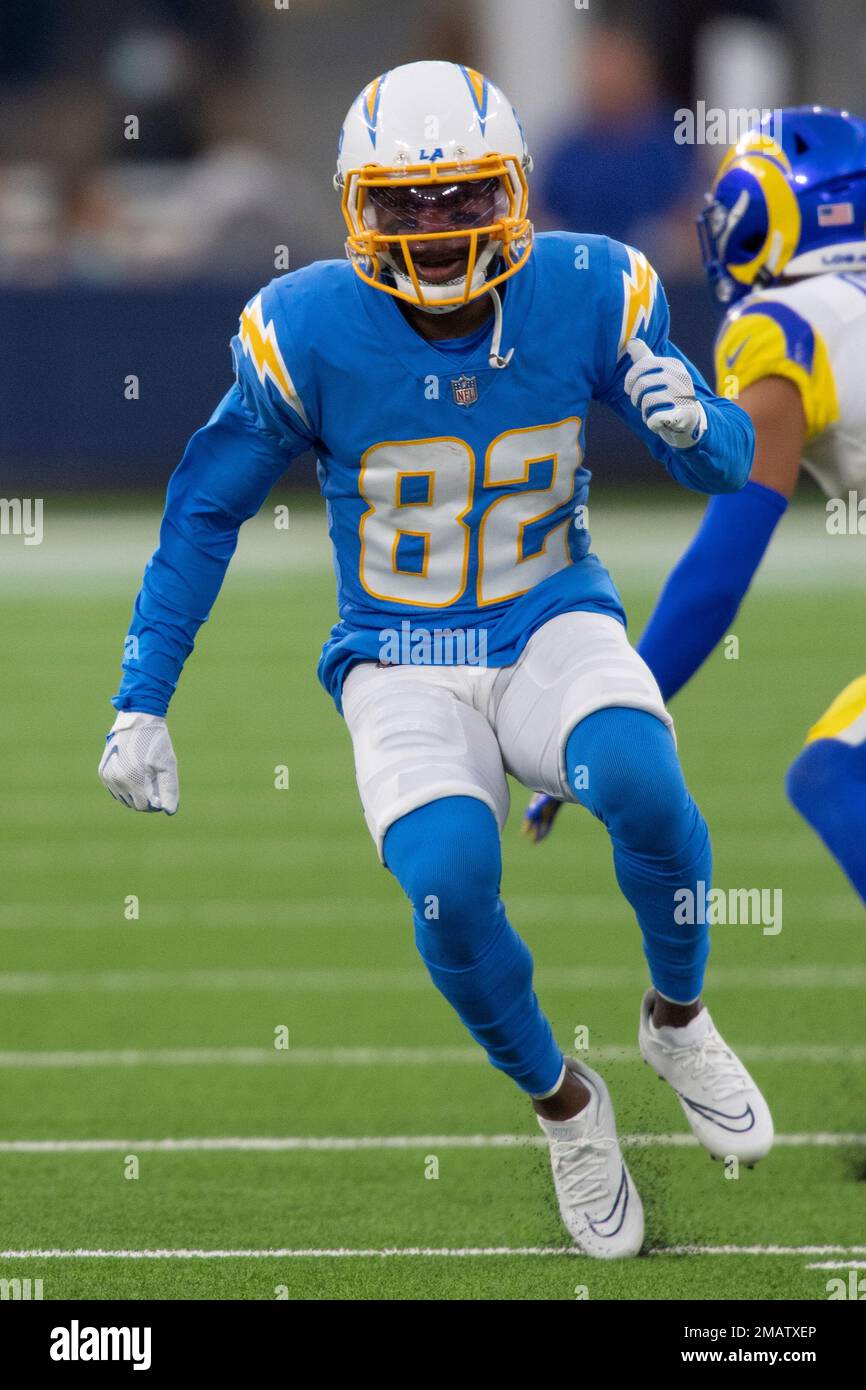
(719, 1117)
(621, 1199)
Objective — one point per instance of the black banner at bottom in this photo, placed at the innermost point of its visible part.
(224, 1338)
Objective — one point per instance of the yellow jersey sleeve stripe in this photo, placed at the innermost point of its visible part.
(845, 709)
(767, 339)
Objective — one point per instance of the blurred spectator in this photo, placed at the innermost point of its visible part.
(151, 73)
(618, 171)
(191, 195)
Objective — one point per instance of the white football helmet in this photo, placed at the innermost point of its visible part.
(432, 166)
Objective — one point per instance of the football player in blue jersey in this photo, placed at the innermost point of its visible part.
(442, 374)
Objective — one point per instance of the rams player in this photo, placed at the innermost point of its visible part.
(442, 375)
(784, 243)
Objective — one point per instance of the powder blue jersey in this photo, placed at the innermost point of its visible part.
(456, 492)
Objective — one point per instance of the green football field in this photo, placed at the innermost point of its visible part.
(158, 1142)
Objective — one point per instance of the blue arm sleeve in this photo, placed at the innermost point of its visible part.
(704, 591)
(226, 473)
(721, 461)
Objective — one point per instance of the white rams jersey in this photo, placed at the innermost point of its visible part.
(814, 333)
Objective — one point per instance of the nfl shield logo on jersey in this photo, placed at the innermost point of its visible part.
(464, 389)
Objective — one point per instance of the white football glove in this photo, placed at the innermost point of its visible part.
(663, 391)
(138, 766)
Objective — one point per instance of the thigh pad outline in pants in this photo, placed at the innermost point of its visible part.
(575, 664)
(416, 740)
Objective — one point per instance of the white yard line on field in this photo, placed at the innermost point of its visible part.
(759, 1250)
(355, 1143)
(418, 1251)
(325, 979)
(566, 910)
(635, 542)
(819, 1053)
(250, 1057)
(839, 1264)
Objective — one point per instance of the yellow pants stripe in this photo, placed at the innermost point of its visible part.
(841, 714)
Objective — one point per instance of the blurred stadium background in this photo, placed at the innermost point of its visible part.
(133, 256)
(260, 909)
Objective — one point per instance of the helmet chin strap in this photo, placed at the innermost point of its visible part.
(437, 308)
(494, 357)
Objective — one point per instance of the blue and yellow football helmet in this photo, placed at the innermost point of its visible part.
(789, 199)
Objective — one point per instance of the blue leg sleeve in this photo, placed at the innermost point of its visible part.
(635, 786)
(827, 784)
(447, 857)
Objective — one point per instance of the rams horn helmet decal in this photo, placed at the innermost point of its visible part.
(787, 203)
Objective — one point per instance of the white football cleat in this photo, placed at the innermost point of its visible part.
(724, 1107)
(598, 1201)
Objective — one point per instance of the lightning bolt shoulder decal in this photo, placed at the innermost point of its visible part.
(639, 284)
(259, 342)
